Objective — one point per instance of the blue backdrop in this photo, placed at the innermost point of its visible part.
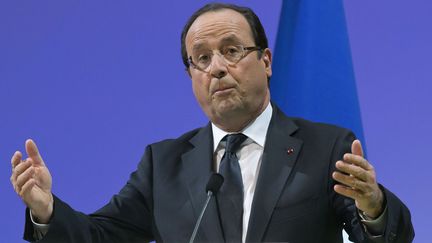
(93, 82)
(313, 73)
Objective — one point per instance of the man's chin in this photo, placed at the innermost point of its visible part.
(227, 108)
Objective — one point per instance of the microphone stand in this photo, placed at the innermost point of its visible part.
(209, 195)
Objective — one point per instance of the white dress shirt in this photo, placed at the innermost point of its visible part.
(249, 156)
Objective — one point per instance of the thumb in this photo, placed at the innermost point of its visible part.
(356, 148)
(33, 152)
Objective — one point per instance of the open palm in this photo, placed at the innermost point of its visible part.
(32, 181)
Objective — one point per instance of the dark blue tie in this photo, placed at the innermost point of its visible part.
(230, 196)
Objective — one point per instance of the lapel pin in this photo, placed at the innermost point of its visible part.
(290, 151)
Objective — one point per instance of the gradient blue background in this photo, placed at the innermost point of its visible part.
(94, 82)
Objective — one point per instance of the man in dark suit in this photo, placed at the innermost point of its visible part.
(299, 181)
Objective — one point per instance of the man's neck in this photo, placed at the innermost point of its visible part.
(237, 123)
(255, 130)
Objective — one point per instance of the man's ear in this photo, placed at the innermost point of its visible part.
(267, 58)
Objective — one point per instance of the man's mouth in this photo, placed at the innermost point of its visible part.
(223, 91)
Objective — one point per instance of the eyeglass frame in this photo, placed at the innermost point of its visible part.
(246, 51)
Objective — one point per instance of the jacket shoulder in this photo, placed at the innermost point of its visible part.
(307, 127)
(180, 143)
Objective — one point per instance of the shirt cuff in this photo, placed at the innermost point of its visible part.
(40, 230)
(374, 227)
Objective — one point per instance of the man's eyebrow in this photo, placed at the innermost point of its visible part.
(198, 46)
(227, 39)
(230, 39)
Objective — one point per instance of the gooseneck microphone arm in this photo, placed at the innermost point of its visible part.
(213, 186)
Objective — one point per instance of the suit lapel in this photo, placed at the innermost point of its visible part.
(197, 166)
(279, 157)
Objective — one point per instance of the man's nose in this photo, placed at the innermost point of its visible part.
(218, 66)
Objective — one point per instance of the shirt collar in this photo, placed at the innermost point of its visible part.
(256, 130)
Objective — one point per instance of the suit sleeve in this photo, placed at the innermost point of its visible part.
(126, 218)
(398, 227)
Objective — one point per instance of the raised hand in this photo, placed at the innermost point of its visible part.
(32, 181)
(358, 180)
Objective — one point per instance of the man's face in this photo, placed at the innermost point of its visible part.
(230, 95)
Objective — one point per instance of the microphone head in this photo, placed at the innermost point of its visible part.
(214, 183)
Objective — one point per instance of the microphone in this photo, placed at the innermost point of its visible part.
(213, 186)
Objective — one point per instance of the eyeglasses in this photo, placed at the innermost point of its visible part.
(201, 60)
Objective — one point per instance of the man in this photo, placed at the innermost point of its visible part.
(295, 181)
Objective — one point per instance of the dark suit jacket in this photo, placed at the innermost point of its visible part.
(294, 199)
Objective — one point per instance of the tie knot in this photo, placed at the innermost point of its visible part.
(233, 142)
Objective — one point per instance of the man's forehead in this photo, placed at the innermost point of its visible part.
(226, 23)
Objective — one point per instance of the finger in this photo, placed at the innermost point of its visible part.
(40, 177)
(24, 177)
(33, 152)
(26, 188)
(19, 169)
(356, 148)
(350, 181)
(16, 159)
(348, 192)
(357, 160)
(354, 170)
